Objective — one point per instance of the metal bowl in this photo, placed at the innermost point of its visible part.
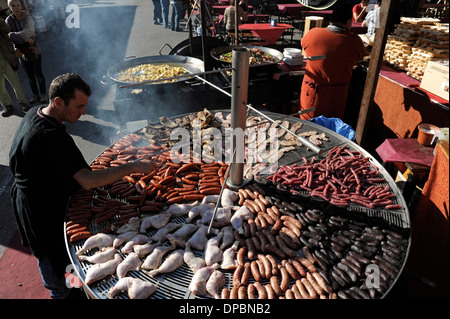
(217, 52)
(190, 64)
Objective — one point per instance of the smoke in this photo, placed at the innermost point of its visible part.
(94, 39)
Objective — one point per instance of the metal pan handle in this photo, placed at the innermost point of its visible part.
(315, 58)
(106, 80)
(160, 50)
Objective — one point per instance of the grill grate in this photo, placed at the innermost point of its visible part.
(175, 285)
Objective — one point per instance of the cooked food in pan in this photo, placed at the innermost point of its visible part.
(257, 56)
(148, 72)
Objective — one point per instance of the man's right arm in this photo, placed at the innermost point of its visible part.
(91, 179)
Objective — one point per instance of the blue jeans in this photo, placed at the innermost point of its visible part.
(165, 5)
(56, 284)
(177, 14)
(157, 13)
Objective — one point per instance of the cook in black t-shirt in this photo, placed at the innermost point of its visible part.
(48, 167)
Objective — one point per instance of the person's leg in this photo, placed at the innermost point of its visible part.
(5, 100)
(28, 68)
(173, 16)
(53, 282)
(157, 17)
(165, 5)
(13, 79)
(37, 70)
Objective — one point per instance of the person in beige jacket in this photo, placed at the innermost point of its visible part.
(8, 69)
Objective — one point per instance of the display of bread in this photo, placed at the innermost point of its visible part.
(414, 42)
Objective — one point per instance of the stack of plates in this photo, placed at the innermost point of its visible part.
(293, 56)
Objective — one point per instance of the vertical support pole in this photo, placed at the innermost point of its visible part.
(236, 21)
(205, 49)
(239, 94)
(374, 70)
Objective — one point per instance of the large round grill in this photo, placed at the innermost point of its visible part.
(390, 226)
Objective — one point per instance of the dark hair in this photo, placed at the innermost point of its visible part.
(342, 12)
(64, 86)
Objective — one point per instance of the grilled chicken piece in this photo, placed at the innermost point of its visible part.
(200, 237)
(100, 271)
(131, 262)
(228, 237)
(229, 262)
(178, 238)
(172, 263)
(198, 282)
(198, 211)
(213, 254)
(242, 214)
(161, 234)
(144, 249)
(154, 260)
(136, 288)
(99, 257)
(194, 262)
(214, 283)
(136, 240)
(120, 239)
(156, 221)
(177, 210)
(99, 240)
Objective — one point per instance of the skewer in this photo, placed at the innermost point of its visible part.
(310, 145)
(220, 194)
(284, 117)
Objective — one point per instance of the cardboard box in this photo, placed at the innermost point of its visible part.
(435, 78)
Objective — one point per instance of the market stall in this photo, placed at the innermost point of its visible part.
(317, 224)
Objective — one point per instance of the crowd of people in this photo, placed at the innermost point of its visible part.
(161, 9)
(18, 46)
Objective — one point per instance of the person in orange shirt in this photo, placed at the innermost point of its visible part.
(359, 11)
(326, 82)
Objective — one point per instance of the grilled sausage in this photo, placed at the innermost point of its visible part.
(275, 285)
(251, 291)
(242, 292)
(262, 293)
(255, 270)
(267, 265)
(284, 278)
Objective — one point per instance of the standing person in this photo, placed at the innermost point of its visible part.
(372, 23)
(8, 67)
(177, 14)
(48, 167)
(23, 36)
(157, 12)
(326, 82)
(165, 5)
(359, 11)
(228, 17)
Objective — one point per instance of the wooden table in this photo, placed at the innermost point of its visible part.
(265, 31)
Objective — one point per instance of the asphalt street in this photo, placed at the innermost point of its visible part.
(109, 32)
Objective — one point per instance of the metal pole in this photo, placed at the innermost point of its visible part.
(239, 94)
(204, 44)
(374, 71)
(236, 21)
